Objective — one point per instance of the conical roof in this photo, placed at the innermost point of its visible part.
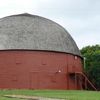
(31, 32)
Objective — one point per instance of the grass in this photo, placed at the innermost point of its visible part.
(65, 94)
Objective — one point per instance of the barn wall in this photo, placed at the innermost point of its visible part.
(38, 70)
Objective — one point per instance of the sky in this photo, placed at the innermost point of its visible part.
(81, 18)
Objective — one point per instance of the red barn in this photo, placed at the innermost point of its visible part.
(37, 53)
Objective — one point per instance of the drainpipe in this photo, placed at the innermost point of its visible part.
(84, 62)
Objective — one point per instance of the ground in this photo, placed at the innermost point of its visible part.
(48, 95)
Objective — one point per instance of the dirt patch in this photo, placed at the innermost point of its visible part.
(30, 97)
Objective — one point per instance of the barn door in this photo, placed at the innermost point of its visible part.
(34, 80)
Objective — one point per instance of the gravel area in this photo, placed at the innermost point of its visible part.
(30, 97)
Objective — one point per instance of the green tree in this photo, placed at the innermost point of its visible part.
(92, 57)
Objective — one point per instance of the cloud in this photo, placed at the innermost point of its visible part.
(9, 7)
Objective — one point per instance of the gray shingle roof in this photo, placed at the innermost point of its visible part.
(25, 31)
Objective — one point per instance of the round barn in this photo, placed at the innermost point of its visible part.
(37, 53)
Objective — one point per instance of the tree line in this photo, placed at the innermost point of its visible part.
(92, 63)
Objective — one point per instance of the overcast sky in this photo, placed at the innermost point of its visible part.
(81, 18)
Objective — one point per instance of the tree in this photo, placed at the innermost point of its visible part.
(92, 55)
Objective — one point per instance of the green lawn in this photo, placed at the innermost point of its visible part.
(67, 95)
